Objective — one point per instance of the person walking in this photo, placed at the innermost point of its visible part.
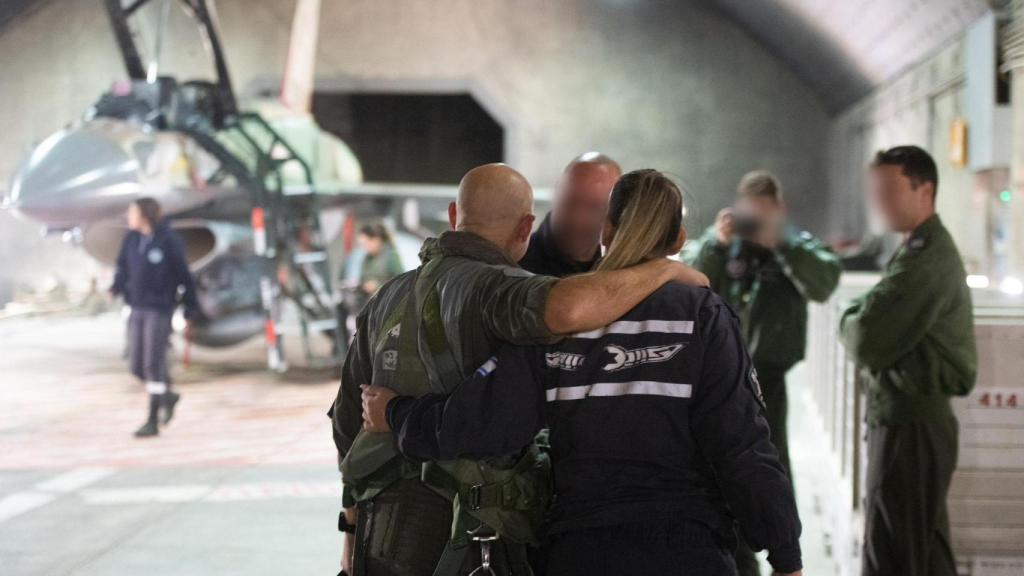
(153, 277)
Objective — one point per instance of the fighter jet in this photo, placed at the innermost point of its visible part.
(244, 187)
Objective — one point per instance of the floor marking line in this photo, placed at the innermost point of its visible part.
(21, 502)
(74, 480)
(209, 493)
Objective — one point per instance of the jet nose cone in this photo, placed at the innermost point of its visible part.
(77, 175)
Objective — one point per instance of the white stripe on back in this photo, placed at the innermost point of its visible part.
(640, 327)
(639, 388)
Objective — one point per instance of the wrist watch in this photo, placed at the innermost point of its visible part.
(344, 525)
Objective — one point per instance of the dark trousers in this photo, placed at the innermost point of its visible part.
(659, 548)
(773, 387)
(906, 521)
(149, 334)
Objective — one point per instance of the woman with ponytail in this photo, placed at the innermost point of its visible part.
(658, 444)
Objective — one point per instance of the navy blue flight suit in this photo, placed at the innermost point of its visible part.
(658, 442)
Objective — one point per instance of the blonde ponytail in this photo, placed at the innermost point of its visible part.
(646, 208)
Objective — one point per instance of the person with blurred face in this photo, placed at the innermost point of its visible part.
(568, 241)
(153, 277)
(381, 262)
(767, 271)
(912, 336)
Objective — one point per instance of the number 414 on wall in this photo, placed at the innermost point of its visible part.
(1001, 399)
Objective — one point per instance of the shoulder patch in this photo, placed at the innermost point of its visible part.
(155, 255)
(623, 358)
(487, 367)
(564, 361)
(755, 387)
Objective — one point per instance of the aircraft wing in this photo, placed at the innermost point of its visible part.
(341, 194)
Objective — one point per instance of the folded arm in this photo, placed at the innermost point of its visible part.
(891, 319)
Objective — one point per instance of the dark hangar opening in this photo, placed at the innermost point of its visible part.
(408, 137)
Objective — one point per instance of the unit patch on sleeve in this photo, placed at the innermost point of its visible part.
(564, 360)
(622, 358)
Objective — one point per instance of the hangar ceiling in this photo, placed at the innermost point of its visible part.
(844, 48)
(841, 48)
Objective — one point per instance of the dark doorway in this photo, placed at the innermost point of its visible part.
(433, 138)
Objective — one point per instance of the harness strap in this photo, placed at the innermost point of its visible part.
(435, 352)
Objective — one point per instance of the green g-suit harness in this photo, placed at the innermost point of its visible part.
(504, 498)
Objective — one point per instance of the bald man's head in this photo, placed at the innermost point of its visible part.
(495, 202)
(581, 204)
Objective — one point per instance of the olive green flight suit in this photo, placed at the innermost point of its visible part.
(773, 308)
(378, 268)
(773, 311)
(913, 337)
(482, 299)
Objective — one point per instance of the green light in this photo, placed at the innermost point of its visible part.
(1005, 196)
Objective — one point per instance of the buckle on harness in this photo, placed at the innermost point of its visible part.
(485, 536)
(475, 497)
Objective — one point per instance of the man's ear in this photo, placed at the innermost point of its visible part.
(677, 246)
(453, 215)
(929, 191)
(525, 228)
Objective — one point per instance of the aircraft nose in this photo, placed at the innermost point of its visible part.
(76, 175)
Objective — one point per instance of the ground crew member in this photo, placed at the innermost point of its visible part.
(657, 438)
(568, 241)
(425, 332)
(151, 271)
(380, 264)
(768, 271)
(913, 336)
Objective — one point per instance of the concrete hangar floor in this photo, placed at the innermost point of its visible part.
(243, 481)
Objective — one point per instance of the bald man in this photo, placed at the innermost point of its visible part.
(568, 241)
(426, 331)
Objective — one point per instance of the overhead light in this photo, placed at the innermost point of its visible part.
(1012, 286)
(977, 281)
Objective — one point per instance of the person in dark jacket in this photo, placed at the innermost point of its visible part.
(568, 241)
(657, 436)
(152, 271)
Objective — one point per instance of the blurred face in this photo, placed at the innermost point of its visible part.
(136, 221)
(370, 244)
(580, 209)
(766, 210)
(896, 201)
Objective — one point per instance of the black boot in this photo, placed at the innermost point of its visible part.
(170, 400)
(150, 428)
